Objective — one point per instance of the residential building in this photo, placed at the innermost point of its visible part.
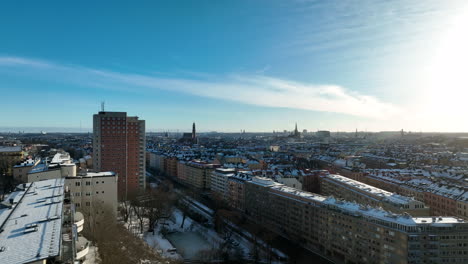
(156, 161)
(119, 143)
(181, 173)
(311, 180)
(9, 156)
(351, 190)
(347, 232)
(38, 224)
(236, 190)
(93, 192)
(170, 166)
(60, 166)
(198, 174)
(462, 206)
(20, 171)
(219, 182)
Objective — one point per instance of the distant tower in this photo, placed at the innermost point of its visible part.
(296, 132)
(193, 131)
(355, 135)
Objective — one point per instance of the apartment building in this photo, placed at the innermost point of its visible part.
(310, 180)
(348, 232)
(9, 156)
(60, 166)
(20, 171)
(462, 206)
(236, 190)
(181, 173)
(38, 224)
(170, 166)
(198, 174)
(351, 190)
(443, 199)
(93, 192)
(156, 161)
(219, 181)
(119, 143)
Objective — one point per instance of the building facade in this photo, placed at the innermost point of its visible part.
(20, 171)
(94, 192)
(236, 190)
(9, 156)
(119, 143)
(348, 232)
(351, 190)
(39, 224)
(219, 182)
(198, 174)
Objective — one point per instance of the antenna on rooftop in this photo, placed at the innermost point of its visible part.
(102, 106)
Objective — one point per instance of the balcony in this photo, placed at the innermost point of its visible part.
(82, 247)
(79, 221)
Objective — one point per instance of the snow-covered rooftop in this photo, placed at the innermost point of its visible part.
(60, 158)
(97, 174)
(402, 219)
(31, 229)
(266, 182)
(10, 149)
(371, 190)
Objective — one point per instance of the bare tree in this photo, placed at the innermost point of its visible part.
(125, 210)
(139, 212)
(182, 204)
(158, 204)
(116, 244)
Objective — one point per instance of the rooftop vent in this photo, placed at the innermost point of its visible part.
(30, 228)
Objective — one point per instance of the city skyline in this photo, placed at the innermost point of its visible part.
(329, 65)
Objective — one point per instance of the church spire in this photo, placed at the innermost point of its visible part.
(193, 131)
(296, 132)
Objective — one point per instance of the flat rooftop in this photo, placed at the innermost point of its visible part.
(95, 174)
(371, 190)
(10, 149)
(60, 158)
(31, 229)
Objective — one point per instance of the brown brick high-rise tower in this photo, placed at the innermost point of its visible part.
(119, 144)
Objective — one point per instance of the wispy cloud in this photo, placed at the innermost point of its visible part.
(253, 89)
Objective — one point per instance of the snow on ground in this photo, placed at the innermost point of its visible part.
(161, 244)
(192, 238)
(93, 256)
(189, 244)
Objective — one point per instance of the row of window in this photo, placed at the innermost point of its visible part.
(86, 193)
(87, 183)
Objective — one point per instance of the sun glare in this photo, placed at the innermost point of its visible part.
(444, 83)
(448, 75)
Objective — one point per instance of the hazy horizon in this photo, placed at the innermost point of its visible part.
(159, 130)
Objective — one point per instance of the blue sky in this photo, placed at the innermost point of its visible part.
(231, 65)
